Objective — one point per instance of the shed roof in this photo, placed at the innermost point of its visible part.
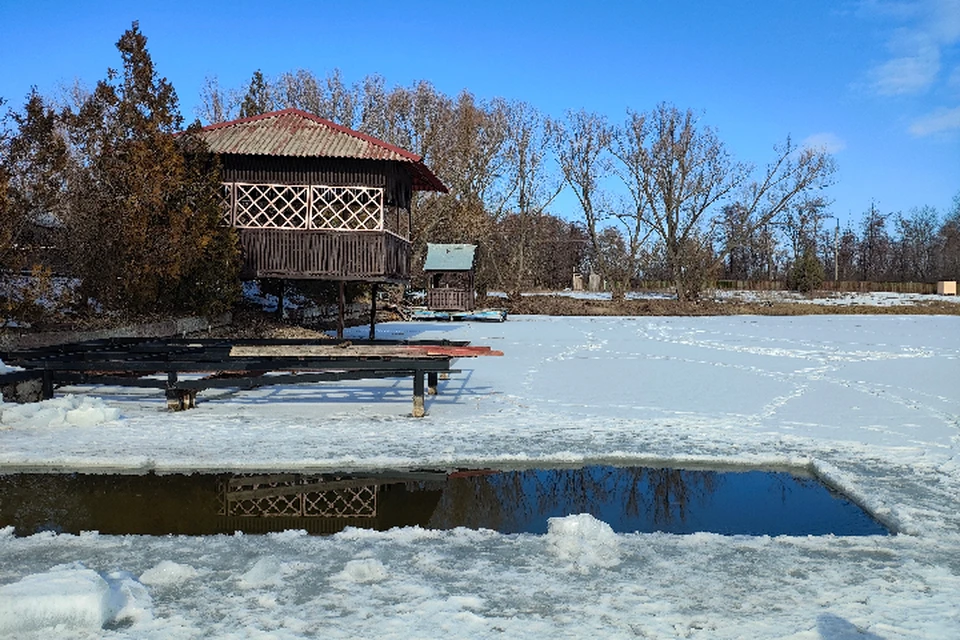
(292, 132)
(449, 257)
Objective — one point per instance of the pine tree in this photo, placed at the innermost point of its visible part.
(33, 159)
(258, 99)
(145, 206)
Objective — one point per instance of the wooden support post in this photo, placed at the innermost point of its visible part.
(46, 391)
(181, 399)
(173, 398)
(342, 298)
(432, 383)
(418, 407)
(281, 285)
(373, 311)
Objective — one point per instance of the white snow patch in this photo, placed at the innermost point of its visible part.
(65, 411)
(583, 541)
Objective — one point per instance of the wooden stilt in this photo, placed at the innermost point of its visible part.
(418, 406)
(341, 308)
(373, 311)
(281, 283)
(174, 398)
(46, 390)
(432, 383)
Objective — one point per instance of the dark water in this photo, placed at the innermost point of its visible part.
(630, 499)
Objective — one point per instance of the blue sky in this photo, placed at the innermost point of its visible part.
(877, 81)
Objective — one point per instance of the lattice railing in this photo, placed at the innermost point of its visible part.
(266, 206)
(347, 208)
(324, 208)
(288, 495)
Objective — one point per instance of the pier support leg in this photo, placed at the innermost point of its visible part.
(179, 399)
(373, 311)
(341, 306)
(418, 407)
(432, 383)
(47, 389)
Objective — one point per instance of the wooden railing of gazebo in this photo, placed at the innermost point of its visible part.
(319, 231)
(335, 255)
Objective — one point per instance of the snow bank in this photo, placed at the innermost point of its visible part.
(583, 541)
(65, 411)
(71, 598)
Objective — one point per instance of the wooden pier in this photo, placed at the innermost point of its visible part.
(240, 364)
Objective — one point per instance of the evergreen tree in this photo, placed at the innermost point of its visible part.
(33, 159)
(259, 99)
(807, 273)
(146, 205)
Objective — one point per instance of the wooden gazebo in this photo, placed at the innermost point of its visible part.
(450, 277)
(314, 200)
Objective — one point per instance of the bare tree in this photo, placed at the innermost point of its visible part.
(684, 171)
(680, 172)
(216, 104)
(916, 244)
(582, 143)
(874, 251)
(530, 189)
(949, 245)
(330, 98)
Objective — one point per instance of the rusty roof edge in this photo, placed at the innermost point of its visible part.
(429, 178)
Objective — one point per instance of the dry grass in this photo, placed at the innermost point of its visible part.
(566, 306)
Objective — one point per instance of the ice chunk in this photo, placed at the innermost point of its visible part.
(128, 600)
(583, 541)
(363, 571)
(71, 598)
(265, 572)
(168, 573)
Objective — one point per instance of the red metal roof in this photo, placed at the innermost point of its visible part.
(292, 132)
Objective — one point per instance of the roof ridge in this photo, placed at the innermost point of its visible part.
(321, 121)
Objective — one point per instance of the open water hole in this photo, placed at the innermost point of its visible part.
(629, 499)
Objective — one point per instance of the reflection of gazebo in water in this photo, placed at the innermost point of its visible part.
(314, 200)
(450, 281)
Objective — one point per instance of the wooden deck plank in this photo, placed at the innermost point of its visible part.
(359, 351)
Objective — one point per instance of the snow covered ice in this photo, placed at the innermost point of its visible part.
(871, 403)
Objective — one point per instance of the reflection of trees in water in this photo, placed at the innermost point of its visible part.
(515, 500)
(41, 502)
(673, 491)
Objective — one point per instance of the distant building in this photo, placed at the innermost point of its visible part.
(450, 277)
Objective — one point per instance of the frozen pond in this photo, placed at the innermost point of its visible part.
(868, 404)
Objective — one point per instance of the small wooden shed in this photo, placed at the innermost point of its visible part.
(314, 200)
(450, 277)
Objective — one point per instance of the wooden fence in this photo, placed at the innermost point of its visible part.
(853, 286)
